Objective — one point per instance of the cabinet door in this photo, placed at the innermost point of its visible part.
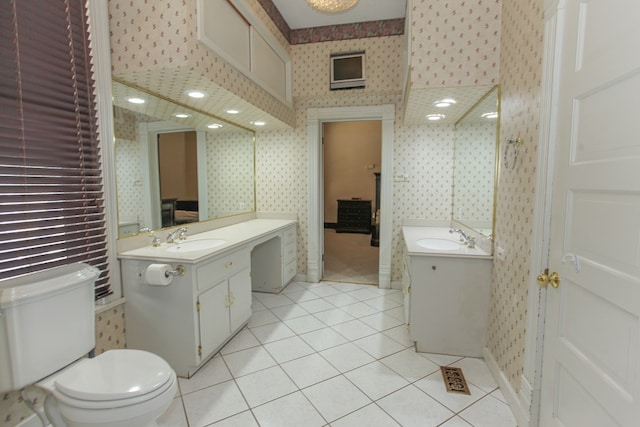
(240, 297)
(214, 318)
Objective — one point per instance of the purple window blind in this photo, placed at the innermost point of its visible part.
(51, 191)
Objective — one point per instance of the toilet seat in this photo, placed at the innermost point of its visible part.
(114, 379)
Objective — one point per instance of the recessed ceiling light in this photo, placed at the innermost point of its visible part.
(434, 117)
(214, 126)
(447, 102)
(232, 111)
(491, 115)
(181, 115)
(259, 123)
(136, 100)
(196, 94)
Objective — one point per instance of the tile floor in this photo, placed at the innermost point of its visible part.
(332, 354)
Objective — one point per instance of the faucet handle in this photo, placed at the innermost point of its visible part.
(155, 242)
(183, 233)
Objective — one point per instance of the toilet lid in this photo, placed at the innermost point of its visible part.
(115, 374)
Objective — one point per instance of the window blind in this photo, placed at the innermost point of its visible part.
(51, 185)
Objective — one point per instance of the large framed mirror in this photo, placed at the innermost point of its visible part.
(475, 164)
(175, 165)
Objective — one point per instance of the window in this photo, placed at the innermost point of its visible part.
(51, 185)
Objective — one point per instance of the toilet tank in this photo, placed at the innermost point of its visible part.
(47, 321)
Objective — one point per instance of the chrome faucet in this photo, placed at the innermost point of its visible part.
(468, 240)
(181, 233)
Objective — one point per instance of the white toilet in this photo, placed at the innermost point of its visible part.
(47, 327)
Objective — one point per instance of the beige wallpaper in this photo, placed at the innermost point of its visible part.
(521, 70)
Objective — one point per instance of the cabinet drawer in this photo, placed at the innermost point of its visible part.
(290, 271)
(289, 235)
(221, 268)
(289, 252)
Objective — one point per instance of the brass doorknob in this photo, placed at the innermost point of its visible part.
(545, 279)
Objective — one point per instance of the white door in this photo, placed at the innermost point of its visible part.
(591, 362)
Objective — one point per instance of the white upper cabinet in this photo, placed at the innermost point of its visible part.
(232, 31)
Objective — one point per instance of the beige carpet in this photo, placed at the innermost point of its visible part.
(349, 257)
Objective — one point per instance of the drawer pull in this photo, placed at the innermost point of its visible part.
(229, 264)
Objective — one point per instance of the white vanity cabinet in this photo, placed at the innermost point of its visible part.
(289, 254)
(448, 304)
(189, 320)
(224, 300)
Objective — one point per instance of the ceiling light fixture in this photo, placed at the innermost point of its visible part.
(232, 111)
(181, 115)
(136, 100)
(444, 103)
(196, 94)
(214, 126)
(492, 115)
(259, 123)
(434, 117)
(332, 6)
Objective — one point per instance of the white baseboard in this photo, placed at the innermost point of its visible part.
(519, 408)
(31, 421)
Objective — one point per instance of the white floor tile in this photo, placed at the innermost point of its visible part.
(263, 317)
(410, 407)
(341, 299)
(363, 294)
(396, 313)
(293, 410)
(489, 412)
(256, 393)
(289, 312)
(316, 305)
(347, 357)
(288, 349)
(359, 309)
(213, 372)
(243, 419)
(323, 339)
(410, 365)
(441, 359)
(457, 422)
(325, 290)
(256, 305)
(333, 316)
(381, 322)
(347, 287)
(477, 373)
(174, 416)
(247, 361)
(376, 380)
(369, 416)
(383, 303)
(273, 300)
(243, 340)
(272, 332)
(301, 296)
(309, 370)
(379, 345)
(303, 324)
(353, 330)
(336, 397)
(400, 334)
(293, 287)
(435, 387)
(214, 403)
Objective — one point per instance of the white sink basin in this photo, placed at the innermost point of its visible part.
(438, 244)
(196, 245)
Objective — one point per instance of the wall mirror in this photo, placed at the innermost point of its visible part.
(175, 165)
(475, 164)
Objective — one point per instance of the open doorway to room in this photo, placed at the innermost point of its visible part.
(352, 153)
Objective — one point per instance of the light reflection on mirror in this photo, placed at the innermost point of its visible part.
(220, 164)
(475, 169)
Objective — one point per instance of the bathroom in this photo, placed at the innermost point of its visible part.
(512, 60)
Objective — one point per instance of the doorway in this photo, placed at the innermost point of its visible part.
(351, 171)
(315, 246)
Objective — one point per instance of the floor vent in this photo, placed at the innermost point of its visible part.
(454, 380)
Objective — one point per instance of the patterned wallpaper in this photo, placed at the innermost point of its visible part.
(521, 73)
(230, 173)
(455, 43)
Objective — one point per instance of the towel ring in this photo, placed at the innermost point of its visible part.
(514, 154)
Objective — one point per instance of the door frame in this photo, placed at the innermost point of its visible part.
(315, 241)
(529, 396)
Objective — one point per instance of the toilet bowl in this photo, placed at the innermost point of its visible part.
(119, 388)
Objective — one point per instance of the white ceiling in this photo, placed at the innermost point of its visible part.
(299, 14)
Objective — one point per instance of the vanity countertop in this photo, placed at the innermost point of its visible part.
(233, 235)
(413, 234)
